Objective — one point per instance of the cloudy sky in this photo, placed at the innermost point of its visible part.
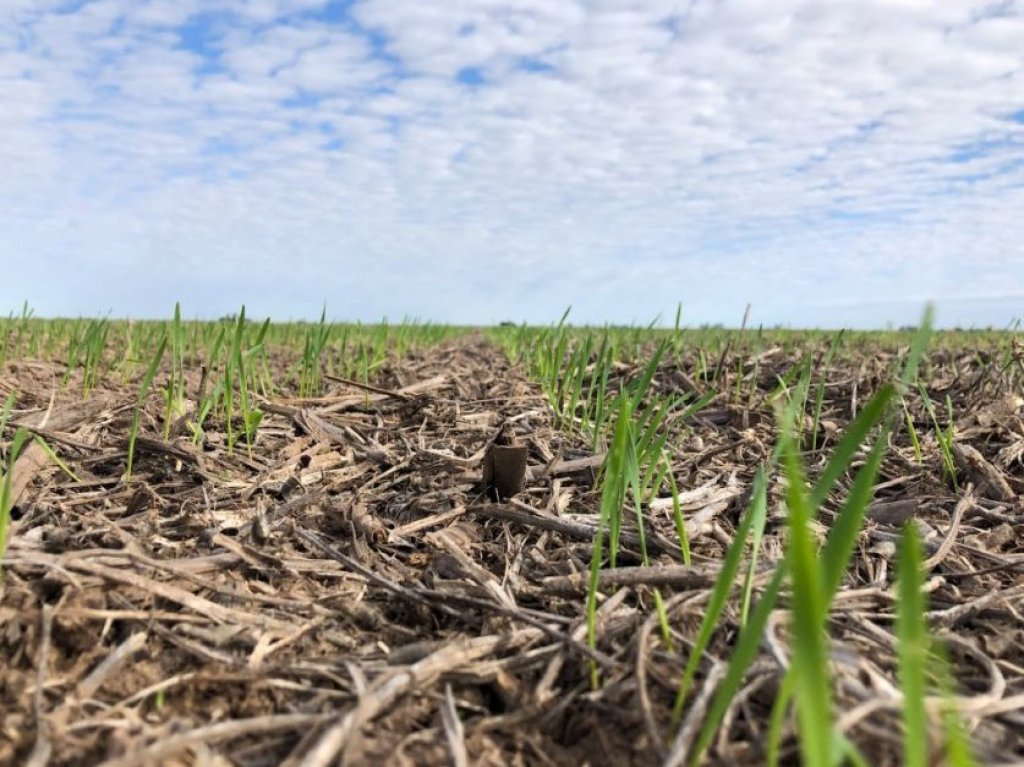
(831, 163)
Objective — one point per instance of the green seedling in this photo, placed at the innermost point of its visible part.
(251, 417)
(920, 657)
(232, 365)
(208, 402)
(174, 393)
(912, 649)
(758, 513)
(55, 458)
(147, 381)
(808, 565)
(6, 488)
(5, 413)
(912, 432)
(958, 746)
(812, 681)
(618, 465)
(310, 379)
(95, 342)
(719, 597)
(819, 399)
(944, 437)
(834, 565)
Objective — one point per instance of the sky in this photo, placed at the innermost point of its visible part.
(831, 164)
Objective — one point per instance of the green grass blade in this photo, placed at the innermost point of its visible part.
(759, 516)
(842, 538)
(913, 648)
(777, 719)
(912, 431)
(917, 349)
(819, 399)
(640, 386)
(5, 414)
(55, 458)
(6, 501)
(610, 519)
(677, 516)
(848, 752)
(615, 479)
(845, 451)
(743, 655)
(812, 681)
(147, 380)
(716, 604)
(958, 746)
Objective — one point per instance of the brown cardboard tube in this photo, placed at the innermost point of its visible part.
(505, 469)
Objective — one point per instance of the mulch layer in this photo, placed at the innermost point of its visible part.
(351, 593)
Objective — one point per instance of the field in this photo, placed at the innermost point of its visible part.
(243, 543)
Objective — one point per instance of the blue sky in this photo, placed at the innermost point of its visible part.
(831, 164)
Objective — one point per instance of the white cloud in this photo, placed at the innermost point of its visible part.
(474, 160)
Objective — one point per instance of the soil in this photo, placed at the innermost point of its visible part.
(350, 591)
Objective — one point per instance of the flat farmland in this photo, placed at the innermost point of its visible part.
(247, 543)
